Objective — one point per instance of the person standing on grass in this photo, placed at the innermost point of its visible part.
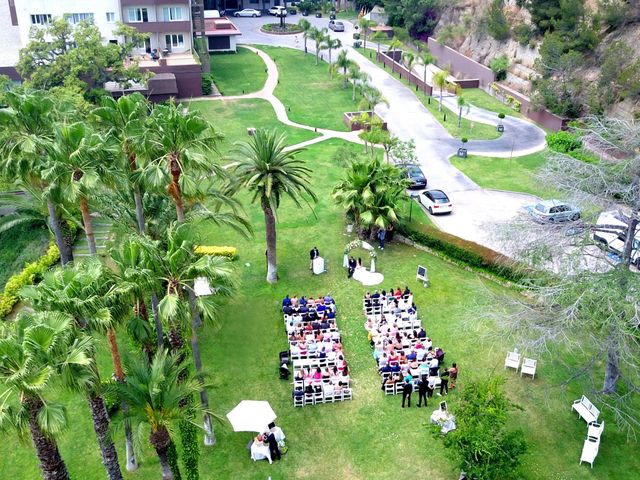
(407, 389)
(423, 386)
(453, 374)
(444, 382)
(313, 254)
(381, 235)
(273, 445)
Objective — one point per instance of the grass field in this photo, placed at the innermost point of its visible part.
(19, 246)
(239, 73)
(306, 89)
(516, 174)
(479, 98)
(232, 117)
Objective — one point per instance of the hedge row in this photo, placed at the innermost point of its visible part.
(31, 272)
(467, 252)
(229, 252)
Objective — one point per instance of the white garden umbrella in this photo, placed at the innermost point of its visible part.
(251, 416)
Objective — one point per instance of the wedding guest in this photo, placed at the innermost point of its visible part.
(423, 386)
(407, 389)
(453, 374)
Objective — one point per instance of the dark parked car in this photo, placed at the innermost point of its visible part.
(336, 26)
(318, 14)
(415, 176)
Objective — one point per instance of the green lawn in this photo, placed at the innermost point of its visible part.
(239, 73)
(479, 98)
(18, 246)
(347, 15)
(306, 89)
(371, 436)
(232, 117)
(516, 174)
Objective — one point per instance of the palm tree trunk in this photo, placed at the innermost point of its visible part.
(88, 226)
(101, 427)
(424, 79)
(353, 93)
(196, 321)
(460, 117)
(51, 462)
(157, 321)
(611, 371)
(174, 190)
(66, 255)
(317, 52)
(440, 105)
(270, 224)
(160, 440)
(137, 198)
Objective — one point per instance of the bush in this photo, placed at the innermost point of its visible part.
(501, 115)
(517, 106)
(523, 34)
(207, 84)
(467, 252)
(563, 142)
(31, 273)
(497, 23)
(499, 65)
(230, 252)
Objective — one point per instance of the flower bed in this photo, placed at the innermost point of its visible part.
(276, 29)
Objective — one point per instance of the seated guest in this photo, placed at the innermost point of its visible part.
(412, 309)
(424, 368)
(331, 314)
(331, 355)
(412, 355)
(303, 308)
(406, 290)
(395, 367)
(287, 310)
(316, 325)
(302, 301)
(326, 374)
(427, 343)
(311, 302)
(320, 308)
(322, 353)
(312, 347)
(398, 293)
(422, 333)
(328, 298)
(317, 375)
(294, 301)
(286, 301)
(312, 315)
(385, 369)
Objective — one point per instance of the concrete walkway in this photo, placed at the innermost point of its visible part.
(477, 210)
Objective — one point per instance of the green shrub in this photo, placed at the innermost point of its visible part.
(30, 274)
(497, 23)
(230, 252)
(563, 142)
(466, 252)
(207, 83)
(523, 33)
(190, 449)
(499, 65)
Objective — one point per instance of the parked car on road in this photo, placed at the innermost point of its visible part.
(614, 240)
(336, 26)
(248, 12)
(278, 11)
(415, 176)
(436, 201)
(552, 211)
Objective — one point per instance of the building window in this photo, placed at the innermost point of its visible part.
(75, 18)
(172, 14)
(137, 15)
(174, 40)
(111, 17)
(41, 19)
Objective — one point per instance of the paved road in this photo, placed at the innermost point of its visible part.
(476, 209)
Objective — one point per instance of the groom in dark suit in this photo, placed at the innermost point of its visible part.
(313, 254)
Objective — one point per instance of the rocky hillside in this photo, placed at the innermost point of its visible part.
(464, 25)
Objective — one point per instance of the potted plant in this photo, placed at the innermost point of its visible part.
(500, 126)
(462, 151)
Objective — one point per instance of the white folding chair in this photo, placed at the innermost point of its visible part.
(389, 389)
(298, 401)
(346, 394)
(595, 429)
(528, 367)
(590, 450)
(512, 361)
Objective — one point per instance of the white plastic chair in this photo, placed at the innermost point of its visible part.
(590, 450)
(595, 430)
(529, 367)
(512, 360)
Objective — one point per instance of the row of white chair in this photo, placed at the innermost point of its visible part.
(528, 366)
(317, 398)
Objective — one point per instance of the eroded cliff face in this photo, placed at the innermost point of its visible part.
(475, 42)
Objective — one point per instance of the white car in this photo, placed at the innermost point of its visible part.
(436, 201)
(278, 11)
(614, 239)
(248, 12)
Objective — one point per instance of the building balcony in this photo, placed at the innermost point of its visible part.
(161, 27)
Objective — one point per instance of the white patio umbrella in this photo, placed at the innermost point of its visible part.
(251, 416)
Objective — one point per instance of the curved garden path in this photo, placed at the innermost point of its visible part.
(477, 210)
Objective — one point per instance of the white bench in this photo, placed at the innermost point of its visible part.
(512, 360)
(528, 367)
(590, 450)
(586, 409)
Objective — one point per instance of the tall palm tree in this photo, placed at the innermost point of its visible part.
(177, 266)
(80, 161)
(356, 77)
(306, 27)
(156, 392)
(270, 171)
(34, 352)
(27, 126)
(395, 45)
(343, 62)
(409, 59)
(179, 150)
(331, 44)
(318, 35)
(27, 208)
(124, 120)
(440, 81)
(87, 292)
(426, 58)
(371, 97)
(364, 25)
(462, 103)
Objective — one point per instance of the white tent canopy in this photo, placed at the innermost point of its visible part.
(251, 416)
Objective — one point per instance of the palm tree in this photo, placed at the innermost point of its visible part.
(267, 169)
(342, 62)
(318, 36)
(330, 44)
(426, 58)
(409, 59)
(306, 27)
(87, 292)
(124, 119)
(379, 37)
(371, 97)
(179, 150)
(155, 392)
(356, 76)
(364, 25)
(34, 353)
(462, 103)
(394, 45)
(440, 81)
(28, 127)
(27, 208)
(80, 161)
(177, 266)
